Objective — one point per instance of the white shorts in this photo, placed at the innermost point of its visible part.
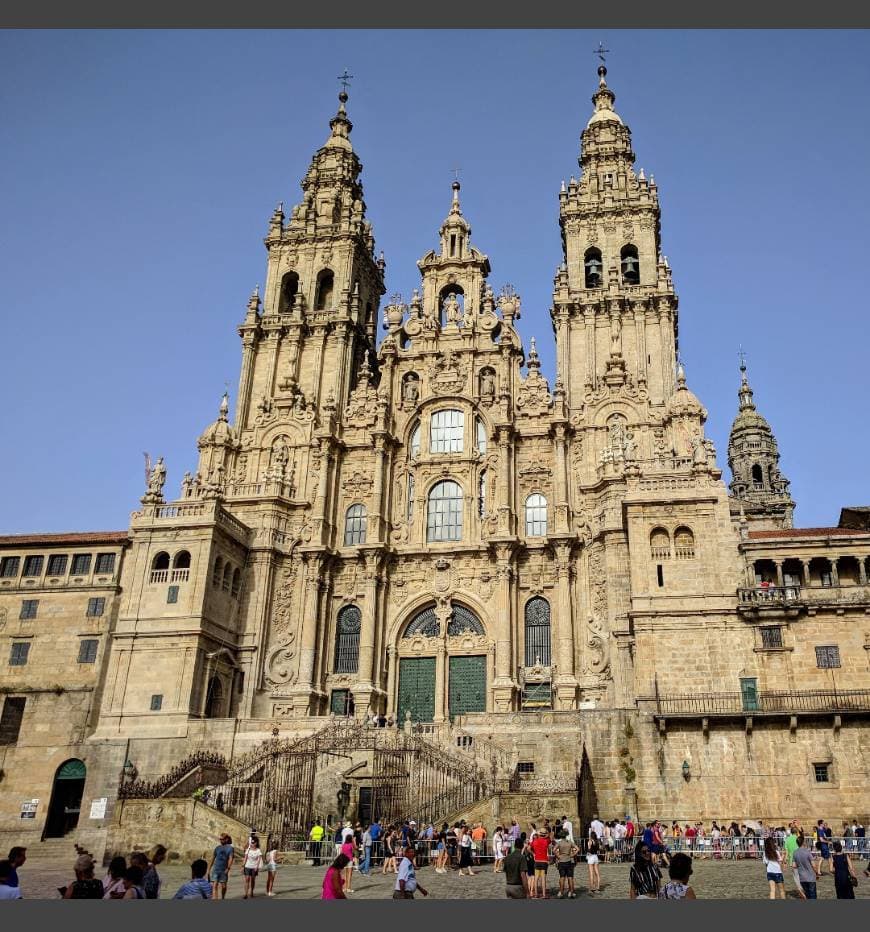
(591, 858)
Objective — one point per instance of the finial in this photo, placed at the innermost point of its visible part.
(681, 374)
(225, 406)
(454, 207)
(564, 188)
(641, 176)
(742, 356)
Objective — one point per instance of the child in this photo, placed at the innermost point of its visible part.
(677, 888)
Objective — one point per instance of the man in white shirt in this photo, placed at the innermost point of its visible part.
(568, 829)
(346, 832)
(597, 826)
(406, 879)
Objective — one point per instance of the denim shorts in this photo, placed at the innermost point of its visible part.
(775, 878)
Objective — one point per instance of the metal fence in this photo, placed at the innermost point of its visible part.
(811, 700)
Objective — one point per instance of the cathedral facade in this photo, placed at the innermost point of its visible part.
(425, 529)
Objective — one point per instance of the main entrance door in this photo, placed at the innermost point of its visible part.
(416, 689)
(66, 799)
(467, 687)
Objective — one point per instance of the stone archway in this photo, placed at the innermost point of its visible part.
(66, 799)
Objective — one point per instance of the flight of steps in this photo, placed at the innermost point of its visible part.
(55, 852)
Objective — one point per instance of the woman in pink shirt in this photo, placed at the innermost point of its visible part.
(333, 882)
(348, 849)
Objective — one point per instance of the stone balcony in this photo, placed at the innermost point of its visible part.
(793, 601)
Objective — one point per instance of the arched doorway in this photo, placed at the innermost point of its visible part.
(66, 799)
(214, 699)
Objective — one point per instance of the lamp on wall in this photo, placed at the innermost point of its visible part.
(687, 771)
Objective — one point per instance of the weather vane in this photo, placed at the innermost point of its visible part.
(345, 80)
(601, 52)
(742, 356)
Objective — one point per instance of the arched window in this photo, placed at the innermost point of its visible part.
(424, 623)
(446, 432)
(227, 577)
(463, 621)
(181, 560)
(444, 517)
(536, 516)
(325, 284)
(414, 444)
(481, 436)
(355, 526)
(592, 266)
(237, 583)
(537, 632)
(347, 640)
(684, 543)
(660, 544)
(289, 290)
(160, 561)
(629, 265)
(218, 570)
(214, 698)
(757, 477)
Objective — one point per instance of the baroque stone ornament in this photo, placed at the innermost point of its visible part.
(534, 398)
(447, 375)
(362, 406)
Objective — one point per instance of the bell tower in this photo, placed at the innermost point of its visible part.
(757, 486)
(323, 288)
(614, 307)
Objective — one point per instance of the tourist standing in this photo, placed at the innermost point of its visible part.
(377, 834)
(773, 862)
(516, 876)
(540, 845)
(85, 886)
(367, 842)
(151, 881)
(113, 882)
(315, 842)
(498, 843)
(219, 869)
(478, 841)
(593, 851)
(253, 865)
(17, 857)
(198, 887)
(845, 880)
(272, 860)
(465, 852)
(823, 843)
(677, 888)
(333, 881)
(348, 849)
(406, 879)
(808, 873)
(644, 877)
(566, 852)
(133, 877)
(7, 891)
(792, 842)
(441, 851)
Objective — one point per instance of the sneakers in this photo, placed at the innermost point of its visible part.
(559, 895)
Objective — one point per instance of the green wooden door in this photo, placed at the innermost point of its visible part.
(749, 689)
(467, 687)
(416, 689)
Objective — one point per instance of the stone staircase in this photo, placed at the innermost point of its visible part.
(60, 851)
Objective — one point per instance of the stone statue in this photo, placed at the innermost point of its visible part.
(186, 485)
(157, 479)
(615, 331)
(452, 310)
(487, 384)
(699, 452)
(280, 453)
(412, 390)
(342, 799)
(630, 448)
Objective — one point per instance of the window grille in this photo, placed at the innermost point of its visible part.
(444, 519)
(347, 640)
(157, 702)
(537, 632)
(424, 623)
(29, 608)
(105, 564)
(771, 638)
(56, 564)
(33, 566)
(822, 773)
(81, 564)
(446, 432)
(526, 766)
(10, 721)
(96, 607)
(172, 595)
(9, 567)
(462, 621)
(355, 526)
(828, 657)
(18, 656)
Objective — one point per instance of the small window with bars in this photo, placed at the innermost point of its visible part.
(56, 564)
(828, 657)
(341, 702)
(88, 650)
(33, 566)
(172, 595)
(105, 564)
(9, 567)
(526, 766)
(81, 564)
(10, 721)
(822, 773)
(157, 702)
(18, 654)
(29, 608)
(96, 607)
(771, 637)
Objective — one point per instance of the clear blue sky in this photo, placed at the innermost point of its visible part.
(140, 169)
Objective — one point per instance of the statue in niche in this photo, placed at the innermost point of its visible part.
(487, 385)
(411, 391)
(452, 309)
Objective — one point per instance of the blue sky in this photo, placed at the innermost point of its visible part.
(140, 169)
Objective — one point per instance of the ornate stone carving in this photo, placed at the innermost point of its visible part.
(447, 375)
(358, 485)
(362, 406)
(533, 397)
(536, 476)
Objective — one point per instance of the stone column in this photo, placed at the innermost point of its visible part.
(440, 715)
(640, 328)
(835, 575)
(805, 568)
(308, 626)
(503, 685)
(862, 573)
(376, 521)
(780, 580)
(560, 524)
(566, 682)
(392, 679)
(589, 326)
(365, 676)
(246, 379)
(504, 482)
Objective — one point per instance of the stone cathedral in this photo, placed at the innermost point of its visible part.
(423, 542)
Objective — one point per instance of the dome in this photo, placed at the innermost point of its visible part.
(684, 403)
(220, 433)
(604, 116)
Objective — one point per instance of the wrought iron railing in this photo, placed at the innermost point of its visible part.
(152, 789)
(782, 702)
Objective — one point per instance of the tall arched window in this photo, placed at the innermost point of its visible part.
(237, 583)
(347, 640)
(181, 561)
(592, 266)
(414, 443)
(481, 436)
(214, 698)
(227, 578)
(757, 477)
(218, 570)
(629, 265)
(446, 432)
(325, 284)
(536, 516)
(444, 517)
(289, 290)
(355, 526)
(537, 632)
(161, 561)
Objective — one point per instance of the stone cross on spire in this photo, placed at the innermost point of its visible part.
(601, 52)
(345, 80)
